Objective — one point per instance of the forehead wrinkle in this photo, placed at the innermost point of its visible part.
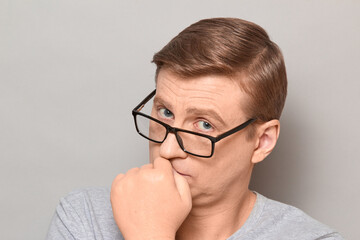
(168, 88)
(181, 85)
(214, 91)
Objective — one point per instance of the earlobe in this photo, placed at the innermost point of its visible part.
(267, 136)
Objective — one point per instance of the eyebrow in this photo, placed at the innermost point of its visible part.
(206, 112)
(195, 111)
(160, 100)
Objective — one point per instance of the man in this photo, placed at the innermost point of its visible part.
(220, 90)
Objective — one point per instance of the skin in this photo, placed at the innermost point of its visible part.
(212, 199)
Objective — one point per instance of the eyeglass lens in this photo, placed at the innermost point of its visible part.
(189, 142)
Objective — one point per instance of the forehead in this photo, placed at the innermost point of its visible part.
(219, 93)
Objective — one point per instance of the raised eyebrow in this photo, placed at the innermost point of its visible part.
(158, 100)
(206, 112)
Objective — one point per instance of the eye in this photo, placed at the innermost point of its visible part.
(165, 113)
(204, 126)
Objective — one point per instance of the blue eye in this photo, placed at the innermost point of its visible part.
(204, 126)
(165, 113)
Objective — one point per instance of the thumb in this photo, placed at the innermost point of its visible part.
(183, 188)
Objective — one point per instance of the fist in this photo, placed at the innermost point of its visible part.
(150, 202)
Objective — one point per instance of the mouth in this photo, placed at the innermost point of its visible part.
(182, 174)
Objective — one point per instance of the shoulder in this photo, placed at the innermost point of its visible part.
(79, 197)
(87, 202)
(85, 213)
(273, 220)
(286, 220)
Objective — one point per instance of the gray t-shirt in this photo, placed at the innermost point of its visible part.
(87, 214)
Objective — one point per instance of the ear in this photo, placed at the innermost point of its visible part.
(266, 137)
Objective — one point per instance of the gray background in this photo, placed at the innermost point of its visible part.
(71, 71)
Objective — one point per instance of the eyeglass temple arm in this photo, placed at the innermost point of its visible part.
(140, 105)
(238, 128)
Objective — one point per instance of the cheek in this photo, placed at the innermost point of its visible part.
(233, 157)
(236, 149)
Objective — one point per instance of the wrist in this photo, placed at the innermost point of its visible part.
(148, 237)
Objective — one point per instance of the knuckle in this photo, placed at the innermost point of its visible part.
(147, 166)
(132, 171)
(118, 178)
(159, 175)
(152, 175)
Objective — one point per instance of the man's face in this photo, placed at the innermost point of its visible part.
(210, 105)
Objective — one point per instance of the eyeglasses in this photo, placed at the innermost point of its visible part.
(197, 144)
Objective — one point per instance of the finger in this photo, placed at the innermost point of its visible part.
(183, 187)
(147, 166)
(119, 177)
(132, 171)
(116, 182)
(163, 164)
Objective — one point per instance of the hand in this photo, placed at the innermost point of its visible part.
(150, 202)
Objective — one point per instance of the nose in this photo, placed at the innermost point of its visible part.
(170, 148)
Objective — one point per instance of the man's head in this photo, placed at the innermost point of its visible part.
(213, 76)
(235, 48)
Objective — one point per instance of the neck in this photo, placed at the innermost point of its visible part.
(218, 221)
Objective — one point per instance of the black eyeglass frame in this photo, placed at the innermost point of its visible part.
(170, 129)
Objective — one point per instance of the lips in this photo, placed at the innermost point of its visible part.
(182, 174)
